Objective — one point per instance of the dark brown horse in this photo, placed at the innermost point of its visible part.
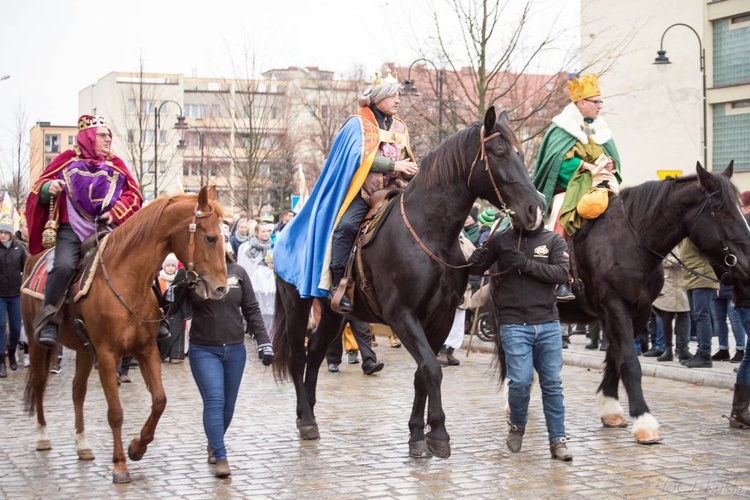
(414, 270)
(189, 226)
(619, 255)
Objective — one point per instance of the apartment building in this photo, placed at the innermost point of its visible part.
(47, 141)
(696, 108)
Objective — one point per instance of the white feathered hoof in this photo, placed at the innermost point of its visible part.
(83, 448)
(611, 412)
(646, 429)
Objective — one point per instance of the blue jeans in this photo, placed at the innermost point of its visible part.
(10, 309)
(217, 371)
(743, 372)
(529, 347)
(700, 310)
(720, 309)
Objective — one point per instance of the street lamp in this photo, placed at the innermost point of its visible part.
(4, 77)
(182, 145)
(412, 89)
(180, 125)
(662, 58)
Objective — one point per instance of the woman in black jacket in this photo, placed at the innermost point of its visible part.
(12, 260)
(217, 350)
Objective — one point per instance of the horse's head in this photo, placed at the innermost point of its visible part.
(501, 176)
(199, 244)
(716, 224)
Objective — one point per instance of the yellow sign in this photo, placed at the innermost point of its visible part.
(663, 174)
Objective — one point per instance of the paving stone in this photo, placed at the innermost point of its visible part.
(363, 450)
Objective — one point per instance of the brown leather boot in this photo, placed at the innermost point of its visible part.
(515, 437)
(740, 418)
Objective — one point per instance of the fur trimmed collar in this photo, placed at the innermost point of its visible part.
(571, 121)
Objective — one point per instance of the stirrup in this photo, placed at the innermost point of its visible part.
(340, 301)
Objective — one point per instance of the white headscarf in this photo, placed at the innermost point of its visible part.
(376, 93)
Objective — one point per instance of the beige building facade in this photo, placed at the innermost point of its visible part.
(656, 111)
(45, 142)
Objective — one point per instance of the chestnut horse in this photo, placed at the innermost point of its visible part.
(618, 257)
(415, 269)
(121, 313)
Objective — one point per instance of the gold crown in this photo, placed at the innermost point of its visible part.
(583, 88)
(88, 121)
(390, 79)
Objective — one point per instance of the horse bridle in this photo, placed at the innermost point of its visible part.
(730, 260)
(191, 276)
(481, 155)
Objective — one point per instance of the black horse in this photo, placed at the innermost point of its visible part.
(417, 292)
(618, 258)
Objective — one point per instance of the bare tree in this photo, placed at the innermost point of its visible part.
(257, 109)
(139, 134)
(16, 184)
(504, 60)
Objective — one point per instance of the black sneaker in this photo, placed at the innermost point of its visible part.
(721, 355)
(56, 369)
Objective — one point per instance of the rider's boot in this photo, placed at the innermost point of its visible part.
(564, 294)
(164, 333)
(45, 327)
(345, 306)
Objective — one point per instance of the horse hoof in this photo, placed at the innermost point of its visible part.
(85, 455)
(440, 448)
(132, 454)
(614, 421)
(309, 432)
(121, 477)
(418, 449)
(651, 437)
(43, 445)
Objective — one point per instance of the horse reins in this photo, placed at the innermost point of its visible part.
(481, 155)
(730, 260)
(191, 275)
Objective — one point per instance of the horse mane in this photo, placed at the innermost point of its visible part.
(644, 203)
(132, 233)
(448, 162)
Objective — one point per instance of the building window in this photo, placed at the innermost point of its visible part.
(131, 106)
(131, 136)
(162, 167)
(148, 137)
(71, 140)
(731, 57)
(52, 143)
(215, 111)
(162, 136)
(196, 111)
(730, 137)
(147, 107)
(325, 111)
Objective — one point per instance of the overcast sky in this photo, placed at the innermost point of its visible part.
(54, 48)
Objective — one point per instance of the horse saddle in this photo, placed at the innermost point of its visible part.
(381, 203)
(91, 249)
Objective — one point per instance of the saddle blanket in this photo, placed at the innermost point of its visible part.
(34, 284)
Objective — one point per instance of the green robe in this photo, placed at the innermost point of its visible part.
(556, 143)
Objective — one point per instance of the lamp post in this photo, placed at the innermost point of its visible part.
(180, 125)
(4, 77)
(182, 145)
(412, 89)
(662, 58)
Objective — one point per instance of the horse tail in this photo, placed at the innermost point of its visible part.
(36, 379)
(499, 354)
(282, 346)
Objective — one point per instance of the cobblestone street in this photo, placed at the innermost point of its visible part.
(363, 449)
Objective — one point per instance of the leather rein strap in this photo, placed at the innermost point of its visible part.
(481, 155)
(191, 276)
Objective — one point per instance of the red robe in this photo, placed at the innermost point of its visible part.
(37, 213)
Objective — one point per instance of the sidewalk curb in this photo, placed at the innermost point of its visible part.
(702, 376)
